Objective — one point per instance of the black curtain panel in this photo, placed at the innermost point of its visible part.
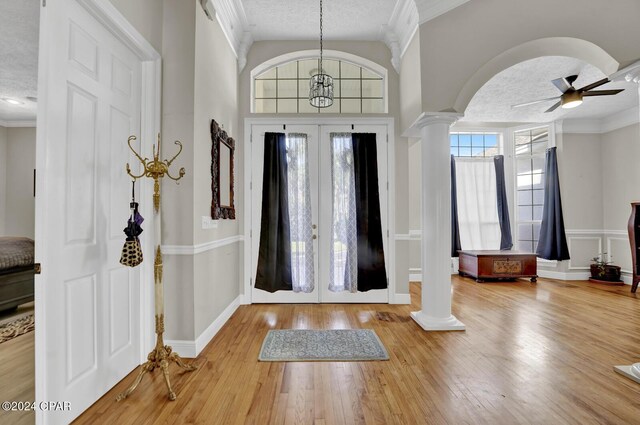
(455, 227)
(506, 241)
(371, 267)
(552, 244)
(274, 255)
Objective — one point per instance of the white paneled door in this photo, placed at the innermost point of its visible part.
(88, 305)
(323, 153)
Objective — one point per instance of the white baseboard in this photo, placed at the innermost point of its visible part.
(627, 279)
(191, 349)
(402, 299)
(551, 274)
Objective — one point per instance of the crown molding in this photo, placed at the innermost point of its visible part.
(232, 18)
(243, 50)
(602, 125)
(629, 73)
(430, 9)
(399, 31)
(18, 123)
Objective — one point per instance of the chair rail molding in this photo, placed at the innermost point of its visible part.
(18, 123)
(200, 248)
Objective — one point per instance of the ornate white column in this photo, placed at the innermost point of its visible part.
(436, 223)
(631, 74)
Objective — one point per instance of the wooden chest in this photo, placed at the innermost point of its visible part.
(498, 265)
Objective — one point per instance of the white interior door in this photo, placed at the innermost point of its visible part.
(87, 304)
(327, 217)
(257, 169)
(321, 187)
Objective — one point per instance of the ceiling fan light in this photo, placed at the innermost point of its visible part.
(571, 99)
(571, 104)
(11, 101)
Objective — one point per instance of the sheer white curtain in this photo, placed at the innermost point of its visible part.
(477, 204)
(302, 271)
(344, 254)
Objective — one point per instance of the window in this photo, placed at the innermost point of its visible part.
(475, 144)
(284, 88)
(476, 188)
(530, 147)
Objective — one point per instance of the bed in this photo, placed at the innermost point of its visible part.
(16, 271)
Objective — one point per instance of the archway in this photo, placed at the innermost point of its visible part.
(552, 46)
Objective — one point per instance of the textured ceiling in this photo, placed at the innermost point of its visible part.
(299, 19)
(531, 80)
(19, 20)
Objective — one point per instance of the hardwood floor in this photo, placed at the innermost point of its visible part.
(17, 377)
(531, 354)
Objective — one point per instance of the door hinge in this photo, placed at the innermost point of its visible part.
(387, 232)
(250, 185)
(251, 282)
(37, 268)
(44, 3)
(387, 186)
(250, 233)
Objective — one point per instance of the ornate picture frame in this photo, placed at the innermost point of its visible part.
(219, 137)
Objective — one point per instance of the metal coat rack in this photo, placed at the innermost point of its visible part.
(162, 355)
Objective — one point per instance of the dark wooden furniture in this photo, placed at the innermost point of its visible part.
(498, 265)
(16, 271)
(634, 240)
(16, 287)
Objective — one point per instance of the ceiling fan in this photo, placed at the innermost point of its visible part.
(572, 97)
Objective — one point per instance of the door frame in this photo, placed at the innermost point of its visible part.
(150, 119)
(385, 121)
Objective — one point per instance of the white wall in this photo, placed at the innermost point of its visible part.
(3, 178)
(145, 16)
(415, 206)
(621, 186)
(621, 175)
(410, 84)
(216, 272)
(581, 175)
(199, 84)
(19, 200)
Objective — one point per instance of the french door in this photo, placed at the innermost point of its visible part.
(321, 212)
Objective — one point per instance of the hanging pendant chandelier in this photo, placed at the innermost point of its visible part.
(321, 84)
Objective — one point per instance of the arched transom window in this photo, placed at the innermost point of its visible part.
(283, 88)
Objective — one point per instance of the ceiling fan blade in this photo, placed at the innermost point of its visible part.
(534, 102)
(571, 79)
(554, 107)
(594, 85)
(602, 92)
(564, 84)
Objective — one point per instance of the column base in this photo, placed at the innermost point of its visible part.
(430, 323)
(632, 371)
